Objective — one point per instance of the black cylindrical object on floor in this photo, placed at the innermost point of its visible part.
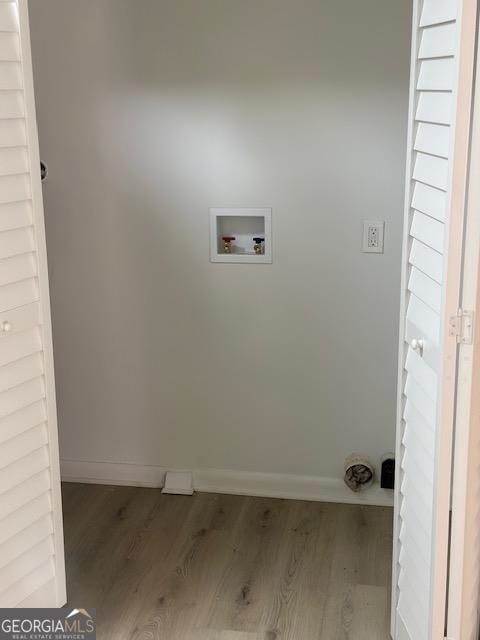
(387, 477)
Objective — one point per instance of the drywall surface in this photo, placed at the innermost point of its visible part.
(149, 114)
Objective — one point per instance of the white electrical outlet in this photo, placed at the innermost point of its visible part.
(373, 232)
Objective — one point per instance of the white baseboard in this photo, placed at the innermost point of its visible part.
(279, 485)
(119, 473)
(250, 483)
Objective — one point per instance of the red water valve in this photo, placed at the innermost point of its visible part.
(227, 240)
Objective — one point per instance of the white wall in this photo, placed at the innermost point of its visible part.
(151, 112)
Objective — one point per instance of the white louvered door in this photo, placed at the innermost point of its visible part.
(440, 103)
(31, 538)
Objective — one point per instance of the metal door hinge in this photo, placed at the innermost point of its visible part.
(461, 326)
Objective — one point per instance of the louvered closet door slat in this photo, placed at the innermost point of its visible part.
(412, 536)
(407, 583)
(422, 401)
(20, 371)
(9, 46)
(14, 187)
(427, 260)
(436, 75)
(13, 160)
(413, 465)
(433, 139)
(428, 231)
(22, 318)
(424, 376)
(19, 267)
(417, 518)
(420, 581)
(416, 602)
(19, 397)
(438, 41)
(22, 420)
(436, 11)
(430, 201)
(422, 460)
(425, 431)
(18, 294)
(13, 132)
(412, 533)
(25, 541)
(10, 76)
(434, 107)
(439, 116)
(16, 242)
(31, 541)
(9, 17)
(29, 441)
(25, 504)
(16, 521)
(11, 105)
(24, 468)
(424, 319)
(413, 519)
(412, 615)
(431, 170)
(26, 587)
(22, 565)
(408, 607)
(426, 289)
(20, 345)
(15, 215)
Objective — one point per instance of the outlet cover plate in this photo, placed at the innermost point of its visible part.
(373, 235)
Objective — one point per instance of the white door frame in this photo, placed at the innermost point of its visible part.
(453, 283)
(464, 575)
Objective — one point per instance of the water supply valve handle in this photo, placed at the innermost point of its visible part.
(257, 247)
(226, 243)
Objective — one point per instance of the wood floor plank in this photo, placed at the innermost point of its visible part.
(360, 612)
(222, 567)
(247, 585)
(212, 634)
(300, 596)
(181, 581)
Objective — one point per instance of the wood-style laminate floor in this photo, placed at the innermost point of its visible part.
(220, 567)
